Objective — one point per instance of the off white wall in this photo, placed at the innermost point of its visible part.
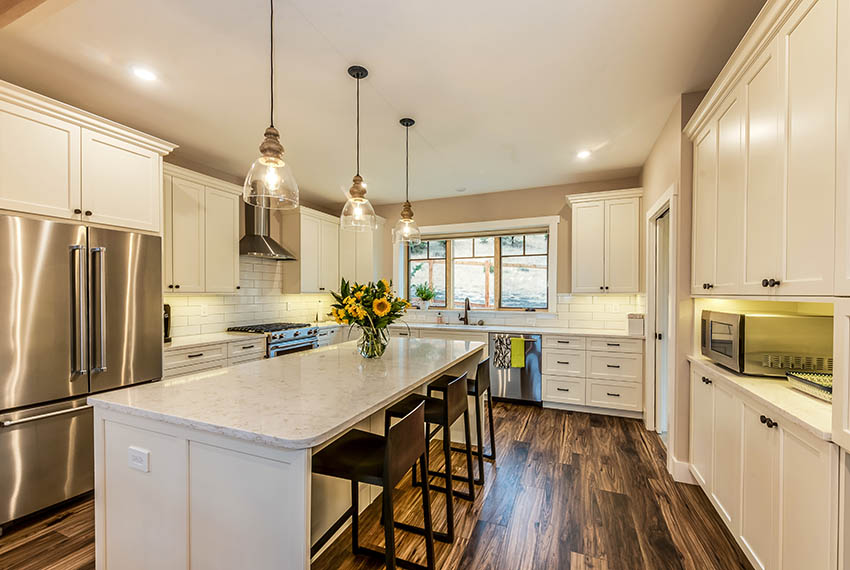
(526, 203)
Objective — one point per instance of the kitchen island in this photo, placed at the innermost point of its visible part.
(213, 470)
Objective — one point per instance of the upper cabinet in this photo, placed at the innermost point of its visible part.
(765, 162)
(201, 233)
(62, 162)
(314, 239)
(360, 255)
(606, 241)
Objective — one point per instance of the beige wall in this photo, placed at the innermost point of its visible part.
(527, 203)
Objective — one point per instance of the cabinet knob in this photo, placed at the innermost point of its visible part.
(708, 380)
(765, 283)
(88, 212)
(238, 286)
(77, 211)
(773, 282)
(711, 285)
(177, 286)
(705, 285)
(601, 288)
(763, 419)
(606, 287)
(171, 286)
(771, 424)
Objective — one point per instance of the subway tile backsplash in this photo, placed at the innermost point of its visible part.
(258, 300)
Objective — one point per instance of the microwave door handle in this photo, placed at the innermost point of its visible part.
(78, 294)
(101, 311)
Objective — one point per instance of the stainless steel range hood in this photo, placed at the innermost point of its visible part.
(256, 241)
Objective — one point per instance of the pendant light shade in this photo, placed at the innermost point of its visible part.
(358, 214)
(406, 230)
(270, 183)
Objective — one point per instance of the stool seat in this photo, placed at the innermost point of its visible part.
(442, 382)
(435, 412)
(357, 455)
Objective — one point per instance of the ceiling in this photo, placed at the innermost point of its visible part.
(504, 93)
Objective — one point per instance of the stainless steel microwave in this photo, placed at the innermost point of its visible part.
(767, 344)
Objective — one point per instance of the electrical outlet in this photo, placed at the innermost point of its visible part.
(139, 459)
(205, 310)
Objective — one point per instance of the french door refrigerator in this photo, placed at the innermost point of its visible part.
(80, 312)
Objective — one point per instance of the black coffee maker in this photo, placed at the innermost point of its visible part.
(166, 319)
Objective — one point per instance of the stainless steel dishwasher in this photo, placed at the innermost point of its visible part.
(518, 384)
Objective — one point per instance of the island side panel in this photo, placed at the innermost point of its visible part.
(196, 499)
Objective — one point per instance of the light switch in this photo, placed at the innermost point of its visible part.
(139, 459)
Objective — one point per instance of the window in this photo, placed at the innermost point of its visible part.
(493, 271)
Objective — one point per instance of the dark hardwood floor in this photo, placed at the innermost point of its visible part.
(568, 491)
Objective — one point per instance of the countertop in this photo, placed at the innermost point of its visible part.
(296, 401)
(508, 329)
(778, 398)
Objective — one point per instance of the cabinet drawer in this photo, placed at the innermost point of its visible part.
(404, 333)
(193, 368)
(563, 362)
(233, 361)
(563, 389)
(604, 394)
(613, 366)
(563, 341)
(249, 346)
(185, 356)
(632, 345)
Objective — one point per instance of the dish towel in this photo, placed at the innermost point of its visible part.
(517, 352)
(502, 351)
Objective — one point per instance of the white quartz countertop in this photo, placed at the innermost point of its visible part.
(508, 329)
(204, 339)
(778, 398)
(296, 401)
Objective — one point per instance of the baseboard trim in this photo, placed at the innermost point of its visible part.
(681, 472)
(593, 410)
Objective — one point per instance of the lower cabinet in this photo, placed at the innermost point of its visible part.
(774, 484)
(190, 360)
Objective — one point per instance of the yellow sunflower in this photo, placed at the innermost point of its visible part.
(386, 284)
(381, 306)
(359, 295)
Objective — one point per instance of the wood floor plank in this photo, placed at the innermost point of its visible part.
(568, 490)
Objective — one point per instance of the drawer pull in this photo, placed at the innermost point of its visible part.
(247, 347)
(562, 362)
(403, 334)
(613, 365)
(613, 394)
(613, 344)
(562, 389)
(196, 355)
(564, 342)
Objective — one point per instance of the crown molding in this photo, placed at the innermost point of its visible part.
(573, 199)
(197, 177)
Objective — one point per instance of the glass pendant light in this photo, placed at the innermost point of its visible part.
(406, 230)
(270, 183)
(358, 214)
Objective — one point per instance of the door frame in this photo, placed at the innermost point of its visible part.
(668, 202)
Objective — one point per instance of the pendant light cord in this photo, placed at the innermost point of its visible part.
(358, 127)
(271, 61)
(406, 164)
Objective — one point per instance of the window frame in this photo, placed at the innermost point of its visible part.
(446, 261)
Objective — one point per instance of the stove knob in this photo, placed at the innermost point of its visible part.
(296, 333)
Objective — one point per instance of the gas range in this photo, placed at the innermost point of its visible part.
(283, 338)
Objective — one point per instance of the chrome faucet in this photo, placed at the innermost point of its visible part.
(465, 318)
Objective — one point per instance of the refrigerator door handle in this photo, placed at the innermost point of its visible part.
(79, 297)
(101, 311)
(10, 423)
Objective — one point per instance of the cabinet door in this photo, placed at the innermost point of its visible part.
(39, 163)
(121, 183)
(167, 236)
(808, 488)
(310, 252)
(726, 455)
(730, 198)
(622, 245)
(841, 372)
(759, 475)
(364, 269)
(329, 257)
(704, 224)
(763, 209)
(702, 430)
(347, 255)
(221, 243)
(187, 243)
(808, 48)
(588, 249)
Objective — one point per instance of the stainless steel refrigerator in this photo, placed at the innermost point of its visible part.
(80, 312)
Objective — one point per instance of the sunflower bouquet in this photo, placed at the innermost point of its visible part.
(372, 307)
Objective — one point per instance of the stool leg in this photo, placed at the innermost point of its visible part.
(426, 512)
(389, 527)
(450, 505)
(492, 454)
(355, 517)
(469, 474)
(480, 453)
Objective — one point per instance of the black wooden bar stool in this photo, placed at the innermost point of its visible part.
(442, 412)
(361, 456)
(475, 387)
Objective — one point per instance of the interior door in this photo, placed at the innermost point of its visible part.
(589, 247)
(125, 308)
(42, 311)
(662, 310)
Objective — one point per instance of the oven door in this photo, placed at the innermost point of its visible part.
(290, 346)
(722, 334)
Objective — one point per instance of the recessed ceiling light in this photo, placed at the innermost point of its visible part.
(144, 73)
(582, 154)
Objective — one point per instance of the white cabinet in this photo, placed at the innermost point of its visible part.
(726, 455)
(201, 233)
(730, 197)
(704, 220)
(314, 238)
(841, 374)
(702, 427)
(606, 237)
(759, 479)
(59, 161)
(360, 255)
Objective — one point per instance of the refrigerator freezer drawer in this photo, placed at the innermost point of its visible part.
(48, 456)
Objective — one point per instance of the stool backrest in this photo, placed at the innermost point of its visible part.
(405, 444)
(456, 402)
(482, 375)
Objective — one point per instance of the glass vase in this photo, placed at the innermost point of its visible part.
(373, 342)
